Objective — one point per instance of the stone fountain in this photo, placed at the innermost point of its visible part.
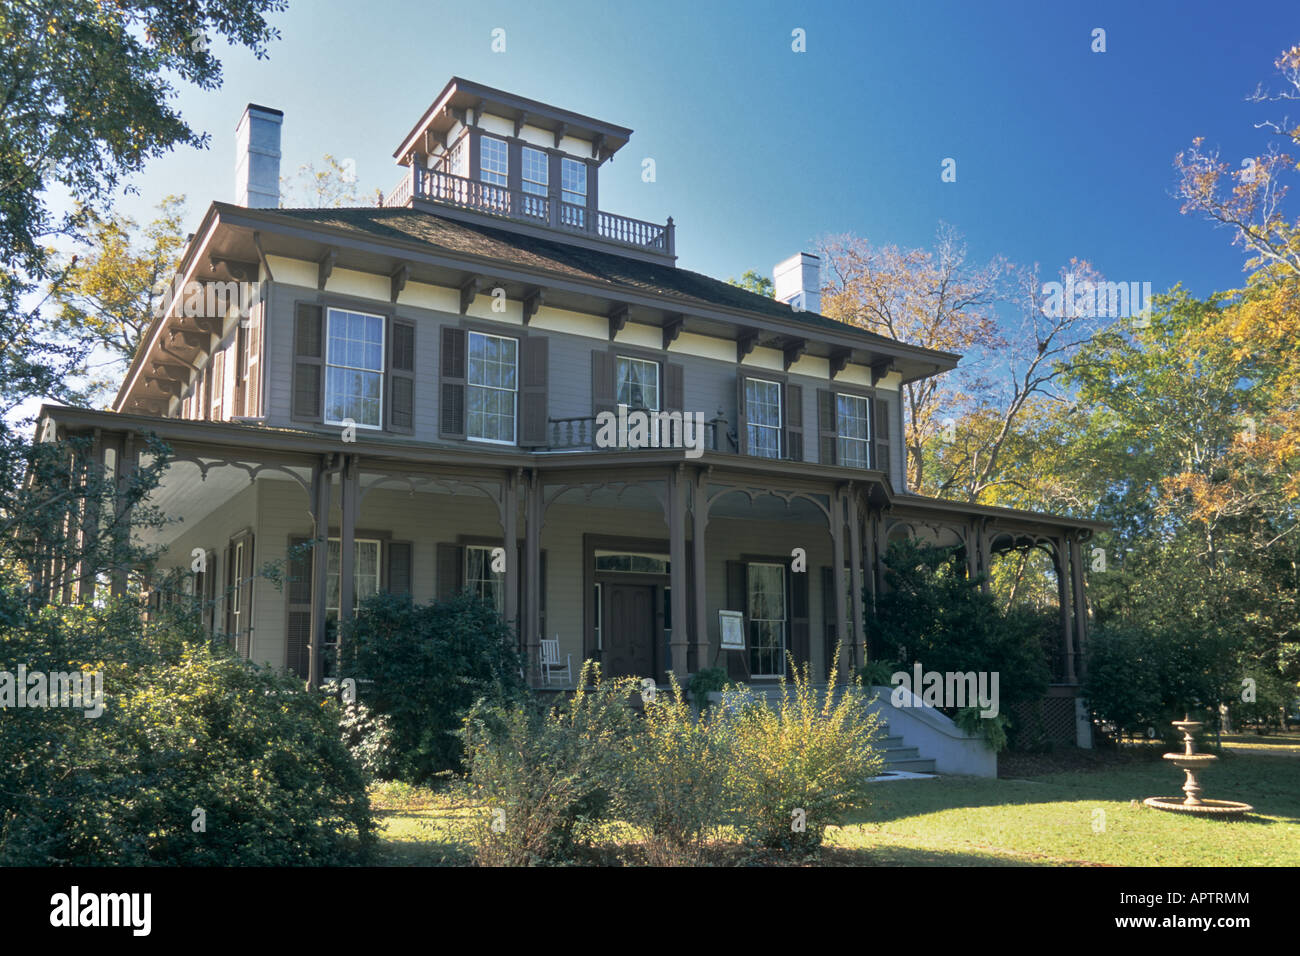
(1189, 761)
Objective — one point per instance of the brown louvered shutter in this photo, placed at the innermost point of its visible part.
(533, 400)
(737, 661)
(794, 422)
(450, 570)
(399, 567)
(297, 650)
(308, 362)
(401, 377)
(828, 613)
(253, 365)
(827, 435)
(800, 643)
(244, 646)
(604, 392)
(451, 394)
(674, 387)
(881, 408)
(742, 417)
(239, 376)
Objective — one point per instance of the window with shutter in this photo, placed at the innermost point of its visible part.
(401, 377)
(882, 411)
(761, 399)
(451, 380)
(398, 575)
(534, 400)
(827, 435)
(308, 362)
(603, 387)
(794, 422)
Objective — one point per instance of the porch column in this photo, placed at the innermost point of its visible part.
(1080, 602)
(855, 566)
(677, 568)
(320, 512)
(837, 569)
(699, 524)
(510, 536)
(531, 633)
(349, 505)
(128, 460)
(1063, 588)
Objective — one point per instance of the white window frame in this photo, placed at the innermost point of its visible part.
(566, 163)
(618, 377)
(485, 171)
(842, 440)
(356, 591)
(779, 427)
(237, 586)
(383, 347)
(540, 187)
(498, 578)
(514, 421)
(784, 621)
(218, 385)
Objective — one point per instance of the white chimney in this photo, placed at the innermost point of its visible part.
(257, 157)
(797, 282)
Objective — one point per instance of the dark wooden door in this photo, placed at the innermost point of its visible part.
(629, 630)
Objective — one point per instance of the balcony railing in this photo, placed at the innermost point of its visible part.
(568, 434)
(520, 206)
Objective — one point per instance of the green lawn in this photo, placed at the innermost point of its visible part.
(1043, 819)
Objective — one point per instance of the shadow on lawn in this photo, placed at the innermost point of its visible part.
(1270, 784)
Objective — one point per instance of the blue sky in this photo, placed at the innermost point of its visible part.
(759, 150)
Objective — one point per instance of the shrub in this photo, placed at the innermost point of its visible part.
(368, 737)
(933, 613)
(674, 787)
(184, 728)
(546, 775)
(801, 766)
(427, 665)
(708, 681)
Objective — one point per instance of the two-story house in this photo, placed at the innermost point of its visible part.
(411, 400)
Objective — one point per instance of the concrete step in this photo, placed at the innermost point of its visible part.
(920, 765)
(895, 754)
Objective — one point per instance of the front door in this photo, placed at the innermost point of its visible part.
(629, 630)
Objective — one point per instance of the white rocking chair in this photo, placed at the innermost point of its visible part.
(549, 662)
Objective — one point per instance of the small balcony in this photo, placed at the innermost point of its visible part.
(547, 211)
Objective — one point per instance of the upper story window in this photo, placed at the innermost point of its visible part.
(573, 190)
(494, 161)
(853, 428)
(492, 387)
(763, 417)
(354, 368)
(536, 171)
(456, 159)
(638, 383)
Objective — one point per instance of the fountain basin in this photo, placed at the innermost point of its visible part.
(1222, 809)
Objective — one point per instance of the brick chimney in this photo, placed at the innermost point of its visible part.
(257, 157)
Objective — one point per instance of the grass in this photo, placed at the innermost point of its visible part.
(1046, 816)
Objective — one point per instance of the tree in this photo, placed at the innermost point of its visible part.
(755, 282)
(332, 186)
(108, 296)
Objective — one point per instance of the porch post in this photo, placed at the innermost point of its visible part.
(837, 569)
(92, 469)
(128, 460)
(510, 534)
(349, 495)
(699, 524)
(1080, 602)
(1063, 588)
(855, 565)
(677, 568)
(321, 494)
(532, 570)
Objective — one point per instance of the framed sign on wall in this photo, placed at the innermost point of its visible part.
(731, 625)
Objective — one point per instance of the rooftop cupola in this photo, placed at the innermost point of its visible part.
(479, 152)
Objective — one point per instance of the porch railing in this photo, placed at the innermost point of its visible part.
(521, 206)
(579, 432)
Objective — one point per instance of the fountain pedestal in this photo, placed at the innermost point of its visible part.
(1189, 761)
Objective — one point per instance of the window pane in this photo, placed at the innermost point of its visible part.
(536, 171)
(493, 374)
(638, 383)
(494, 161)
(763, 412)
(852, 415)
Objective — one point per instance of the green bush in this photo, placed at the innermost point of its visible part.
(368, 737)
(802, 765)
(933, 613)
(674, 786)
(546, 775)
(708, 681)
(185, 728)
(426, 665)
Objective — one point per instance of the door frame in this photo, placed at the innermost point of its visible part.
(591, 543)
